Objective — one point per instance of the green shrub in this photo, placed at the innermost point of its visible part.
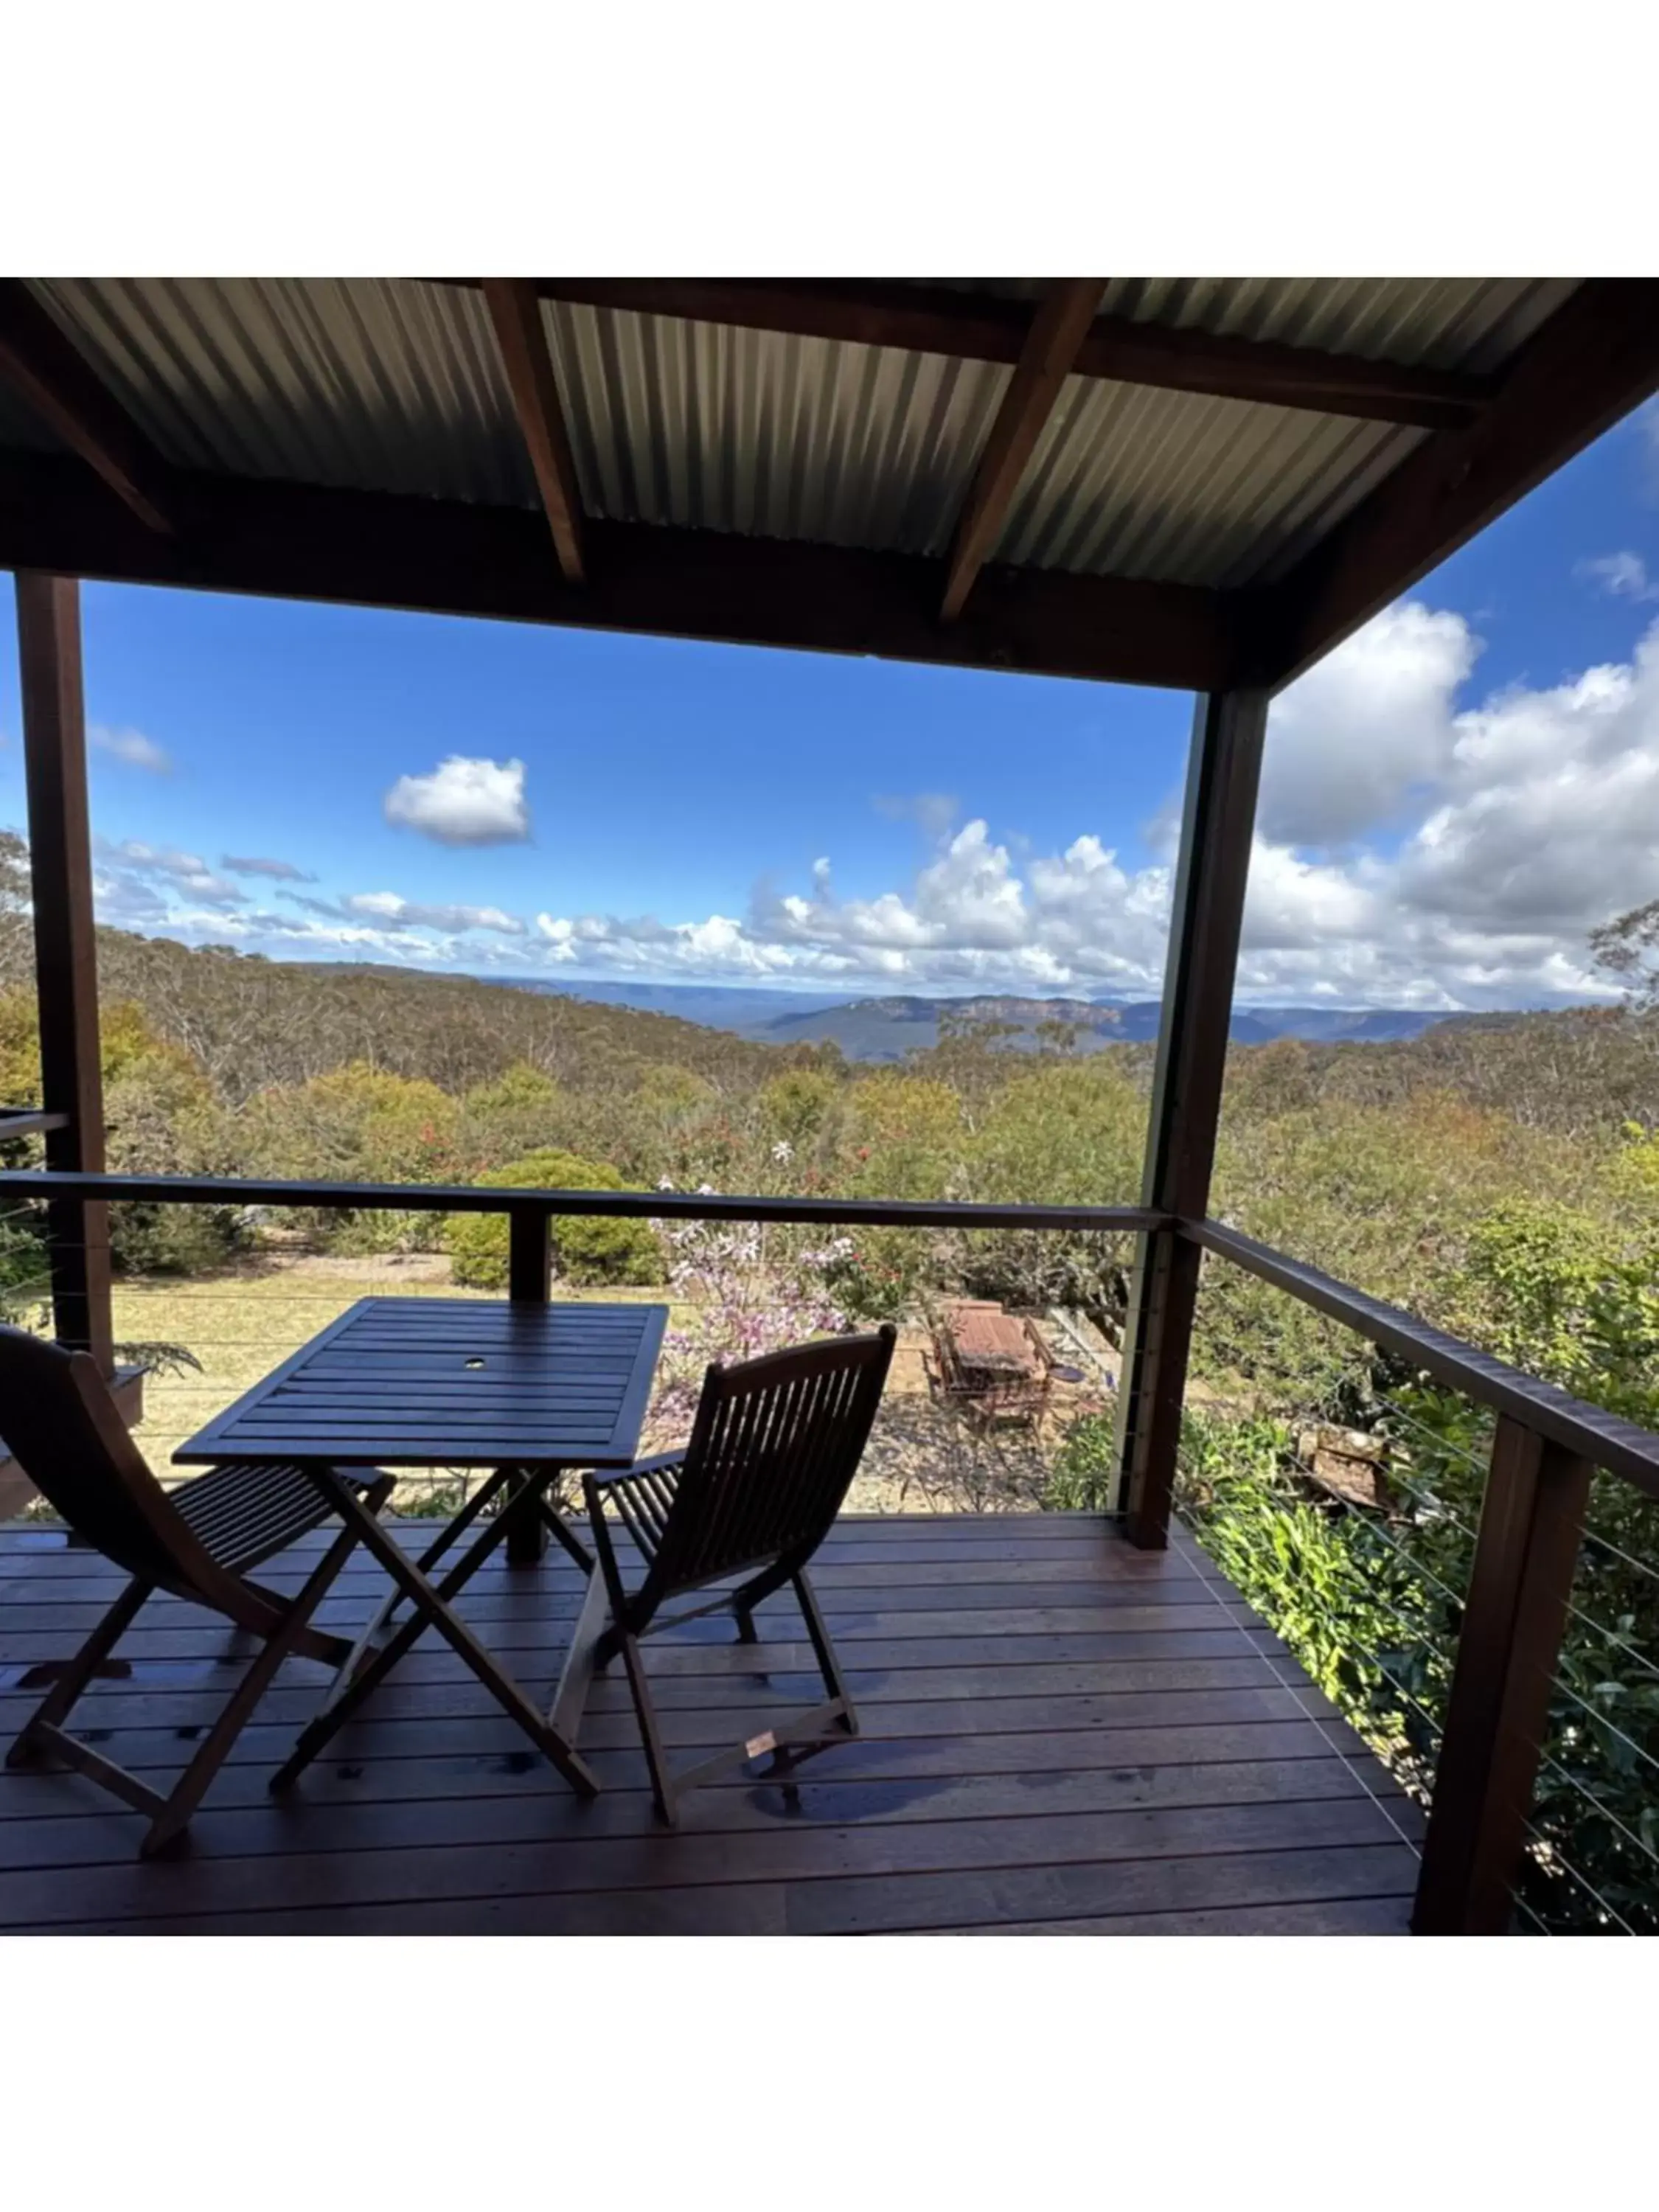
(1366, 1625)
(584, 1250)
(1081, 1479)
(515, 1115)
(162, 1118)
(795, 1106)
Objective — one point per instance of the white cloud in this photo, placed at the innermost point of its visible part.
(282, 871)
(464, 802)
(1365, 727)
(123, 901)
(187, 870)
(1620, 576)
(388, 906)
(133, 747)
(970, 921)
(1541, 820)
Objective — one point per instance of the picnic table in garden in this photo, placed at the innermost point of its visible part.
(993, 1362)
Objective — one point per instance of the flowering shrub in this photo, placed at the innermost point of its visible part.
(739, 1289)
(882, 1274)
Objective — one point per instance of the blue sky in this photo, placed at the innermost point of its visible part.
(1432, 795)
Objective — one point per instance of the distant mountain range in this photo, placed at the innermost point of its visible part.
(715, 1006)
(887, 1029)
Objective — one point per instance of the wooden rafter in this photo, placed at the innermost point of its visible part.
(516, 312)
(977, 326)
(58, 384)
(1595, 359)
(1057, 331)
(444, 556)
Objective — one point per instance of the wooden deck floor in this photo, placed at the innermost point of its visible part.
(1061, 1734)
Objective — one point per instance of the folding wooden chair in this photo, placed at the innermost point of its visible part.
(198, 1542)
(774, 1450)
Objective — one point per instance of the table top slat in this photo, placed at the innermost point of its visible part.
(451, 1382)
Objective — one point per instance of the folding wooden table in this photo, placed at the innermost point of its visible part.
(529, 1391)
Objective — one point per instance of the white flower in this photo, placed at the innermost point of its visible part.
(783, 1152)
(665, 1182)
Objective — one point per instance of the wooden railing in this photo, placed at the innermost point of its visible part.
(28, 1122)
(1546, 1446)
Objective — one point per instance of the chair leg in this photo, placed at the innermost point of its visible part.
(617, 1635)
(825, 1651)
(66, 1691)
(656, 1757)
(576, 1675)
(751, 1593)
(192, 1786)
(289, 1638)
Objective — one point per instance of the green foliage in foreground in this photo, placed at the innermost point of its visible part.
(1371, 1603)
(584, 1251)
(1082, 1478)
(1358, 1613)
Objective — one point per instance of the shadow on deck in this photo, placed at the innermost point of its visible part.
(1060, 1734)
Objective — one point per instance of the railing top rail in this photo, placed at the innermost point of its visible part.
(1605, 1439)
(627, 1205)
(29, 1121)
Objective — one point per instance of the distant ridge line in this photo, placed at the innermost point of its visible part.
(888, 1028)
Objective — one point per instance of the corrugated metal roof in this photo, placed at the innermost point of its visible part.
(708, 427)
(1425, 322)
(396, 385)
(1130, 482)
(382, 384)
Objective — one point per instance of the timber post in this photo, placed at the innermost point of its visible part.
(65, 951)
(1218, 823)
(529, 1282)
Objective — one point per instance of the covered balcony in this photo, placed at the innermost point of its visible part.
(1069, 1720)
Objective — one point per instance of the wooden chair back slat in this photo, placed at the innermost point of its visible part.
(774, 1450)
(62, 1426)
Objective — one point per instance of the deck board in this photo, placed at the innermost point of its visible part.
(1060, 1734)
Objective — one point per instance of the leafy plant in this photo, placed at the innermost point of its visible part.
(1356, 1615)
(1083, 1479)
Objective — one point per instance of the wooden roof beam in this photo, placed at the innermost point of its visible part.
(1594, 359)
(516, 312)
(1057, 331)
(452, 556)
(979, 326)
(56, 382)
